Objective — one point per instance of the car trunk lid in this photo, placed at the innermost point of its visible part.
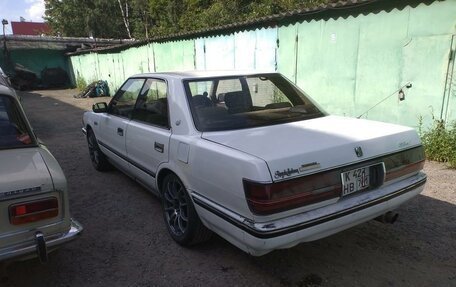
(23, 171)
(24, 177)
(306, 147)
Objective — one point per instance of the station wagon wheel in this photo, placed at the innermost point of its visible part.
(99, 160)
(181, 219)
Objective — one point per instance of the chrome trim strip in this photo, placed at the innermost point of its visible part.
(50, 225)
(351, 165)
(51, 241)
(270, 229)
(84, 131)
(20, 191)
(127, 159)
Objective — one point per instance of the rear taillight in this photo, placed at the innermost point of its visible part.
(32, 211)
(403, 163)
(271, 198)
(404, 170)
(275, 197)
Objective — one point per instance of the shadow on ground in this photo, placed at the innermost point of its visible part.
(125, 242)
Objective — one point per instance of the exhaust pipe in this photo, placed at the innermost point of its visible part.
(389, 217)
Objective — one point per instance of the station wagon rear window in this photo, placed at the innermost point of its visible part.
(13, 128)
(247, 101)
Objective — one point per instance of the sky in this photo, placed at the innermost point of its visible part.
(31, 10)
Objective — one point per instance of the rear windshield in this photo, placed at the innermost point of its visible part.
(247, 101)
(13, 128)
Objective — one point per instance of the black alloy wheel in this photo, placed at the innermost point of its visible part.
(99, 160)
(181, 219)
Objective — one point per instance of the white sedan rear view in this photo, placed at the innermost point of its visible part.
(252, 158)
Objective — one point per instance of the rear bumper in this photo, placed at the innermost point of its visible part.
(51, 241)
(258, 238)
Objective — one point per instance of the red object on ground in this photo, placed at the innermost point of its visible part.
(30, 28)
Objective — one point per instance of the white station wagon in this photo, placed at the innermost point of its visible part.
(252, 158)
(34, 211)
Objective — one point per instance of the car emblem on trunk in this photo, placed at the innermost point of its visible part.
(20, 191)
(359, 151)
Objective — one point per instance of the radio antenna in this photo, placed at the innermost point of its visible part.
(401, 98)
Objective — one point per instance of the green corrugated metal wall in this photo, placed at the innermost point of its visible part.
(349, 64)
(346, 64)
(173, 56)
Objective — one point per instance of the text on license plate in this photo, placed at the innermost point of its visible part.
(355, 180)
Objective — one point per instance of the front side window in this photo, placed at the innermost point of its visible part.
(13, 128)
(240, 102)
(124, 101)
(152, 104)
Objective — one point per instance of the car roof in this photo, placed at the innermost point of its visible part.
(200, 74)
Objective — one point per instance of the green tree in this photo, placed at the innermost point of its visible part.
(84, 18)
(148, 18)
(141, 21)
(65, 17)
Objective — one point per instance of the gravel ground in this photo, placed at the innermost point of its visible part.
(125, 242)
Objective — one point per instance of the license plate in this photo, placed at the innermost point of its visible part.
(355, 180)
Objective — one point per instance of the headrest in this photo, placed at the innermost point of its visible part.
(235, 100)
(200, 101)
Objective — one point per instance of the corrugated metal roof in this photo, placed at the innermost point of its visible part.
(284, 18)
(56, 43)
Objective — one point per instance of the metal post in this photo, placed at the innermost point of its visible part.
(6, 56)
(4, 23)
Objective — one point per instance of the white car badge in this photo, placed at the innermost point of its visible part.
(359, 151)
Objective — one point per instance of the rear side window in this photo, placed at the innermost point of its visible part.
(152, 104)
(13, 128)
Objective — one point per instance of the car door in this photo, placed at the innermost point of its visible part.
(148, 132)
(113, 124)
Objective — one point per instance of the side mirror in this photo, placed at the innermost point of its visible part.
(100, 107)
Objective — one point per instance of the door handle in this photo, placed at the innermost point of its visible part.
(120, 132)
(159, 147)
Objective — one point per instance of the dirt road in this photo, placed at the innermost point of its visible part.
(125, 242)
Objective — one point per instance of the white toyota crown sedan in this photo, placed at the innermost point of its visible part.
(252, 158)
(34, 211)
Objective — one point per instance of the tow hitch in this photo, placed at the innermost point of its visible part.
(41, 248)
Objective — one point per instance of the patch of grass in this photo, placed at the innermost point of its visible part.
(439, 142)
(81, 84)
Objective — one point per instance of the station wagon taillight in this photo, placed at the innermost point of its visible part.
(26, 212)
(270, 198)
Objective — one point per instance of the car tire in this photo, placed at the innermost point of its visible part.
(97, 157)
(179, 213)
